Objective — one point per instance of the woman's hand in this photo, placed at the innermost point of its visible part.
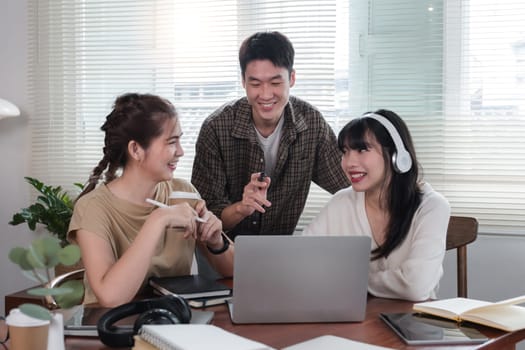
(181, 216)
(218, 251)
(209, 231)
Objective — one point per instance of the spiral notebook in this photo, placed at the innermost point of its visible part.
(196, 337)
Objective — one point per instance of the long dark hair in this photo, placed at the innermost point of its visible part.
(138, 117)
(403, 193)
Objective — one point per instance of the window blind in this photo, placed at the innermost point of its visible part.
(453, 70)
(483, 146)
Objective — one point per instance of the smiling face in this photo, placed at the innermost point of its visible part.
(164, 151)
(267, 89)
(365, 167)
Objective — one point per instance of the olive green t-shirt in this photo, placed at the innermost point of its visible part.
(119, 221)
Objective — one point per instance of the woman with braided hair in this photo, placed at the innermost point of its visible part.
(123, 239)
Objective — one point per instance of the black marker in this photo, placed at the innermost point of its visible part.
(261, 177)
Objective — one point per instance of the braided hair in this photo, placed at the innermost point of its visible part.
(137, 117)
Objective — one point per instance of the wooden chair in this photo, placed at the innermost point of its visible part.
(461, 231)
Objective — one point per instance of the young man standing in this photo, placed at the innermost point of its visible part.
(257, 156)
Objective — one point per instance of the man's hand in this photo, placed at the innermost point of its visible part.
(254, 195)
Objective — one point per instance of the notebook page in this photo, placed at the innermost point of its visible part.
(196, 337)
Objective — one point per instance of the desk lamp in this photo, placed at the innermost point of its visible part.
(7, 109)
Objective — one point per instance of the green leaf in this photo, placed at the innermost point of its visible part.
(18, 218)
(53, 209)
(69, 255)
(44, 251)
(34, 259)
(18, 255)
(34, 182)
(34, 256)
(73, 298)
(36, 311)
(50, 291)
(30, 274)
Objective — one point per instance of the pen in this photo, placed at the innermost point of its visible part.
(261, 177)
(162, 205)
(157, 203)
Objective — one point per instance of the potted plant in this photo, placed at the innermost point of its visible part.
(53, 209)
(44, 254)
(36, 262)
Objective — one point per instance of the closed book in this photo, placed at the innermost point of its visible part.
(200, 303)
(189, 287)
(196, 337)
(506, 315)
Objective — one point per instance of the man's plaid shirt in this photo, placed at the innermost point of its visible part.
(227, 153)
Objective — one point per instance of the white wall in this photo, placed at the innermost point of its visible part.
(495, 269)
(495, 263)
(14, 141)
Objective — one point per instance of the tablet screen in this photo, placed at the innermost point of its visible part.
(418, 329)
(84, 322)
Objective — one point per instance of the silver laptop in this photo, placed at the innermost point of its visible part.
(288, 279)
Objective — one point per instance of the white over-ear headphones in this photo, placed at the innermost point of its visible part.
(401, 159)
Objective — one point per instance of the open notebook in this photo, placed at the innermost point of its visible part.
(282, 279)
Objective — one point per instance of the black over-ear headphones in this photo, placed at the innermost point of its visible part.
(168, 309)
(401, 159)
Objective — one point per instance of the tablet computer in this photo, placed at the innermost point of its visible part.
(84, 322)
(418, 329)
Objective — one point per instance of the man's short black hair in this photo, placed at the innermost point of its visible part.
(272, 46)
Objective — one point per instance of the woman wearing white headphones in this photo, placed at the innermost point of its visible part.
(406, 219)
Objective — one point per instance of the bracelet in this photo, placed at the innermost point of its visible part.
(226, 245)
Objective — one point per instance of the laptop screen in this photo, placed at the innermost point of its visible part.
(281, 279)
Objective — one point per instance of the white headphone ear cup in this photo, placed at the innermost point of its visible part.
(402, 161)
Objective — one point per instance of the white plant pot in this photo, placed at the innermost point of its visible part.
(55, 339)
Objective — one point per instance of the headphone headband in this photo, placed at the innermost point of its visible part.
(401, 158)
(169, 308)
